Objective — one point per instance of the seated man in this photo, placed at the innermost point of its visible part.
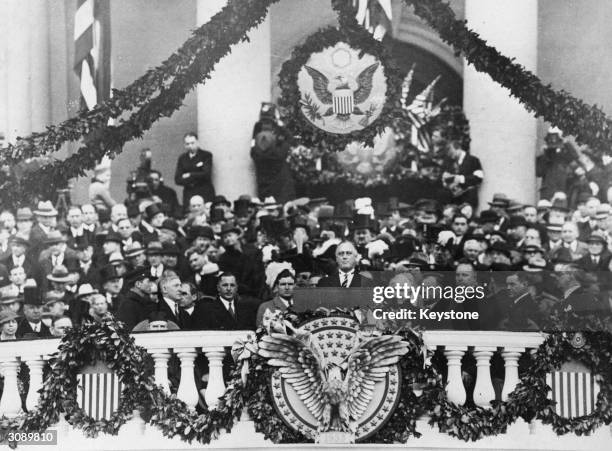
(347, 275)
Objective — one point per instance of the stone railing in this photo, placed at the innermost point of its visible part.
(187, 345)
(482, 345)
(161, 345)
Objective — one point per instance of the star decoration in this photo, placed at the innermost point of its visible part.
(343, 354)
(335, 353)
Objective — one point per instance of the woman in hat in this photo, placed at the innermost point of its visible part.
(8, 325)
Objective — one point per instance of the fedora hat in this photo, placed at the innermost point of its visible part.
(52, 296)
(543, 205)
(54, 237)
(220, 200)
(113, 237)
(109, 272)
(499, 200)
(488, 216)
(596, 238)
(45, 208)
(560, 204)
(24, 214)
(133, 249)
(86, 290)
(228, 228)
(7, 315)
(19, 240)
(154, 248)
(170, 249)
(59, 274)
(170, 224)
(10, 297)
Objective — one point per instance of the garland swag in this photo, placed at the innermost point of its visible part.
(110, 342)
(160, 91)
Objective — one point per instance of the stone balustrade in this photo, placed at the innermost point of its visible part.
(482, 344)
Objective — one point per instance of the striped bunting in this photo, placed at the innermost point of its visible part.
(574, 392)
(98, 394)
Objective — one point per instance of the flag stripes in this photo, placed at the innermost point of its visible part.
(99, 396)
(92, 50)
(574, 392)
(343, 102)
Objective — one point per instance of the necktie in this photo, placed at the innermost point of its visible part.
(231, 309)
(344, 280)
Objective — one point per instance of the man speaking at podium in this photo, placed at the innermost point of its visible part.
(347, 275)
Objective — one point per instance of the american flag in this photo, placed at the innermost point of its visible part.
(92, 50)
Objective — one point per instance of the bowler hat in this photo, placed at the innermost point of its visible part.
(220, 200)
(137, 274)
(500, 246)
(560, 204)
(203, 231)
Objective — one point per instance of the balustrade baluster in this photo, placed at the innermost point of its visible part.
(483, 390)
(10, 404)
(161, 357)
(216, 385)
(35, 364)
(187, 391)
(455, 391)
(511, 379)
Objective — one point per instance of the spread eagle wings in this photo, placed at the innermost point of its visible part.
(368, 363)
(319, 85)
(298, 363)
(364, 82)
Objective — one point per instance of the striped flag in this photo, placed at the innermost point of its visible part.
(92, 50)
(99, 394)
(374, 15)
(575, 392)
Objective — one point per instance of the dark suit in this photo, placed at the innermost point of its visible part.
(169, 199)
(216, 317)
(334, 281)
(199, 182)
(581, 302)
(520, 311)
(134, 308)
(162, 306)
(471, 169)
(25, 328)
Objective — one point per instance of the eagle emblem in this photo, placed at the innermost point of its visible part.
(342, 94)
(335, 388)
(342, 89)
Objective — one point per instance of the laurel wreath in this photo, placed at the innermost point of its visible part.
(291, 101)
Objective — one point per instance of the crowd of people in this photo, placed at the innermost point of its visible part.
(213, 263)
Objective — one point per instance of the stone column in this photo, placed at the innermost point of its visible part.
(503, 133)
(40, 101)
(228, 106)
